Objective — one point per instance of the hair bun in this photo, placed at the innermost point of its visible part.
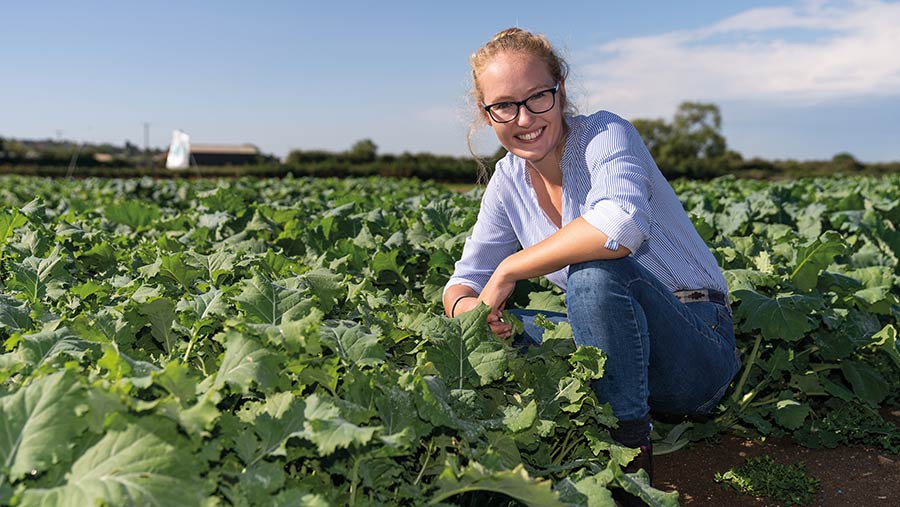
(507, 33)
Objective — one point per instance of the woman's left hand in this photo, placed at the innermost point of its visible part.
(495, 294)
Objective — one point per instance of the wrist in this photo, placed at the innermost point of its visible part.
(453, 308)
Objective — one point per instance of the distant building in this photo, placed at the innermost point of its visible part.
(222, 154)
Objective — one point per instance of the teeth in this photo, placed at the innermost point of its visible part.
(531, 135)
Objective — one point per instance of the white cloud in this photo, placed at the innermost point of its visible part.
(810, 53)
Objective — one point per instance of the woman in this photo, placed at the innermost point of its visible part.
(591, 211)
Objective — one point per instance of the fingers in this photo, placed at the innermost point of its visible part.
(498, 327)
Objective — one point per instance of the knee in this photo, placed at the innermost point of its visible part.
(601, 275)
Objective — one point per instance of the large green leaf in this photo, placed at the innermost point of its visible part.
(38, 277)
(326, 428)
(246, 362)
(784, 317)
(887, 340)
(161, 314)
(9, 221)
(867, 383)
(216, 265)
(135, 214)
(39, 348)
(267, 302)
(465, 351)
(514, 483)
(638, 484)
(814, 257)
(14, 314)
(353, 343)
(205, 309)
(143, 464)
(39, 424)
(174, 268)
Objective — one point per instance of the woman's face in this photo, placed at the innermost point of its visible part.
(515, 77)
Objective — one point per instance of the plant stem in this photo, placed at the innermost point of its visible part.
(740, 386)
(428, 450)
(354, 481)
(555, 458)
(187, 353)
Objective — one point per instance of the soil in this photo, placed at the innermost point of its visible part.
(850, 476)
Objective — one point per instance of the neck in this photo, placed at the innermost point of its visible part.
(550, 167)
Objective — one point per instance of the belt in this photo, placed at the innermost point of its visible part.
(701, 296)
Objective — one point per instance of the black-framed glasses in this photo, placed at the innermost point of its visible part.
(540, 102)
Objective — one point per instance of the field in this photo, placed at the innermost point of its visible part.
(281, 342)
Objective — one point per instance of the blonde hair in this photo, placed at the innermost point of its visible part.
(513, 40)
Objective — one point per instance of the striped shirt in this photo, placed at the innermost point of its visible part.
(609, 179)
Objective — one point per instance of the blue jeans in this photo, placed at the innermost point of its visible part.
(663, 354)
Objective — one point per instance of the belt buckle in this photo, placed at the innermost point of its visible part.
(693, 296)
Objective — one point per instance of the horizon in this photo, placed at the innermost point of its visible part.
(802, 80)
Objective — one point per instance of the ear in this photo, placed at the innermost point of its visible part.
(562, 89)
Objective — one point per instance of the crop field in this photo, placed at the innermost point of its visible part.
(282, 343)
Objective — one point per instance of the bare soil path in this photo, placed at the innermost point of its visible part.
(850, 476)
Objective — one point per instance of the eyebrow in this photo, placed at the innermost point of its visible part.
(532, 91)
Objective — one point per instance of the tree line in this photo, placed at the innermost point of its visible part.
(690, 145)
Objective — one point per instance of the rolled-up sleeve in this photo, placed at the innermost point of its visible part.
(493, 239)
(618, 202)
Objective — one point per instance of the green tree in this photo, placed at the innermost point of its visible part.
(363, 151)
(845, 162)
(692, 145)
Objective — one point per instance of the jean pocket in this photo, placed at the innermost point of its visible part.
(709, 313)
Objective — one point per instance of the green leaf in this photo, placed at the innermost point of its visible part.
(174, 268)
(352, 343)
(748, 279)
(387, 261)
(815, 256)
(464, 350)
(161, 313)
(176, 379)
(517, 419)
(207, 308)
(9, 221)
(216, 265)
(13, 314)
(638, 484)
(100, 257)
(328, 430)
(547, 301)
(42, 347)
(515, 483)
(39, 424)
(145, 463)
(326, 286)
(246, 362)
(269, 303)
(790, 413)
(887, 340)
(39, 277)
(785, 317)
(867, 383)
(284, 418)
(594, 491)
(133, 213)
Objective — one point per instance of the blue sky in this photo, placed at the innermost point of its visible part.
(793, 79)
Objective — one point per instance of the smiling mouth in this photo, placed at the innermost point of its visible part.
(530, 136)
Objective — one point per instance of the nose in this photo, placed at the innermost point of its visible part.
(525, 117)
